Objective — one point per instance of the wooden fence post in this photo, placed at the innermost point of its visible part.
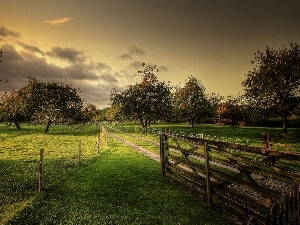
(98, 143)
(267, 144)
(207, 170)
(164, 151)
(41, 170)
(106, 138)
(79, 152)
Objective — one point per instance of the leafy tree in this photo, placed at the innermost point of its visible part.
(232, 111)
(112, 113)
(13, 107)
(102, 114)
(59, 101)
(214, 100)
(90, 112)
(145, 101)
(273, 84)
(190, 102)
(43, 101)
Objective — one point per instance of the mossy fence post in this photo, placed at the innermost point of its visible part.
(102, 137)
(98, 143)
(104, 134)
(41, 169)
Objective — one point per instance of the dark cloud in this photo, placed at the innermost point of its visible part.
(94, 79)
(102, 66)
(79, 72)
(30, 48)
(136, 65)
(125, 56)
(110, 78)
(96, 88)
(162, 69)
(5, 32)
(136, 51)
(68, 54)
(10, 54)
(132, 51)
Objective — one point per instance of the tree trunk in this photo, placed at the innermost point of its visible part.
(48, 125)
(192, 123)
(17, 124)
(284, 125)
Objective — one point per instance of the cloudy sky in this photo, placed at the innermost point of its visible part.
(97, 45)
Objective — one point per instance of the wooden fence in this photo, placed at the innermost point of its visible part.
(254, 185)
(102, 138)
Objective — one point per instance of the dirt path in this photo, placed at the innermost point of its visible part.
(136, 147)
(156, 157)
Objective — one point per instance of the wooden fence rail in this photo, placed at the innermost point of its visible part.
(256, 185)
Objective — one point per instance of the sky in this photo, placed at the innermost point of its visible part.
(99, 45)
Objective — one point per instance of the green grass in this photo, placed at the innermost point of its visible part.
(19, 161)
(242, 135)
(119, 186)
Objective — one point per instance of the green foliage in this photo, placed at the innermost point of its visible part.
(39, 102)
(148, 100)
(90, 112)
(273, 84)
(232, 111)
(191, 103)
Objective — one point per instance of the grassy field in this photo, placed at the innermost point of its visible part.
(242, 135)
(19, 161)
(118, 186)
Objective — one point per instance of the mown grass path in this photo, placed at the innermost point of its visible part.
(120, 186)
(140, 149)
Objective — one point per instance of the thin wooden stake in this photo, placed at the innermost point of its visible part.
(105, 137)
(41, 170)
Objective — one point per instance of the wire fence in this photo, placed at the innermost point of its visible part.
(36, 163)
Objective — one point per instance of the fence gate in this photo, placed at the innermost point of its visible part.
(255, 185)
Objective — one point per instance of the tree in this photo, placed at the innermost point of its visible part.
(90, 112)
(41, 101)
(112, 113)
(273, 84)
(190, 102)
(145, 101)
(13, 107)
(59, 101)
(232, 111)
